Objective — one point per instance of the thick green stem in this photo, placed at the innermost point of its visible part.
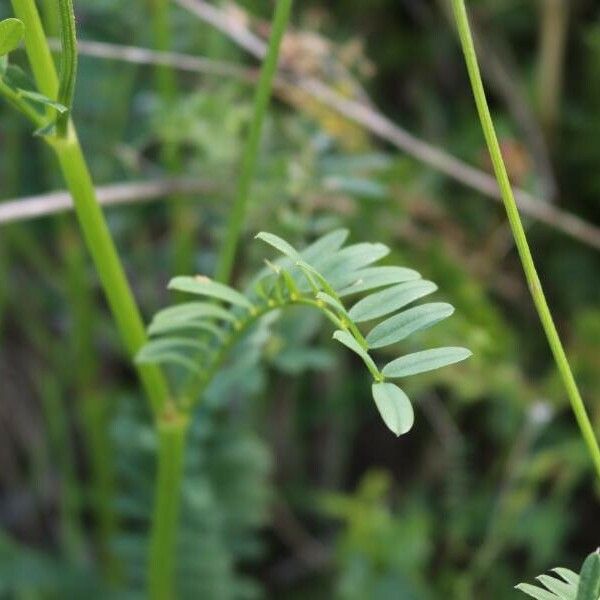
(535, 287)
(167, 502)
(37, 48)
(68, 63)
(249, 160)
(95, 230)
(108, 265)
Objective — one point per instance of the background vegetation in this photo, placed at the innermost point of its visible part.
(293, 487)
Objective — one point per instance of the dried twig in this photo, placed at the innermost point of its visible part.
(358, 112)
(33, 207)
(381, 126)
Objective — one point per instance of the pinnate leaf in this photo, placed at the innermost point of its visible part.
(348, 340)
(402, 325)
(568, 575)
(427, 360)
(325, 245)
(394, 407)
(38, 98)
(390, 300)
(204, 286)
(557, 586)
(536, 592)
(340, 265)
(279, 244)
(375, 277)
(589, 578)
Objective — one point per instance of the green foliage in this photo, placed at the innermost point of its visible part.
(317, 277)
(225, 497)
(12, 32)
(568, 585)
(381, 552)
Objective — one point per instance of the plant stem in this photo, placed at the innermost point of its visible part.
(535, 287)
(172, 431)
(554, 24)
(108, 265)
(250, 156)
(95, 230)
(37, 48)
(68, 63)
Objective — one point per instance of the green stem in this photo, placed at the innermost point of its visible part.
(95, 230)
(535, 287)
(250, 156)
(108, 265)
(37, 48)
(197, 384)
(51, 14)
(68, 63)
(20, 105)
(171, 450)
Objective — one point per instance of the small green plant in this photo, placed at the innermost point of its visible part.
(568, 585)
(199, 335)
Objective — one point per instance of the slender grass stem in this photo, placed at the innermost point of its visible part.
(535, 287)
(171, 452)
(250, 156)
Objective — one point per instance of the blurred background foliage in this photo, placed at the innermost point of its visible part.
(294, 488)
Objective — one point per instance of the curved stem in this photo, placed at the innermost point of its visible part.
(535, 287)
(196, 386)
(167, 503)
(261, 100)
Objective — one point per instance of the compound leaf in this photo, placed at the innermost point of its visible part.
(427, 360)
(390, 300)
(402, 325)
(204, 286)
(348, 340)
(394, 407)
